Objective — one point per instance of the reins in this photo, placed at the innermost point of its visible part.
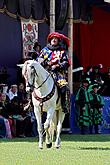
(41, 99)
(44, 99)
(42, 82)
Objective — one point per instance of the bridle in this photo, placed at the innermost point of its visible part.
(40, 99)
(36, 74)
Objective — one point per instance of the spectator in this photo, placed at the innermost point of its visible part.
(15, 113)
(2, 127)
(21, 93)
(83, 106)
(21, 118)
(4, 114)
(13, 91)
(96, 104)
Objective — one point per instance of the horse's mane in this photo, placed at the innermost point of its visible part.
(37, 65)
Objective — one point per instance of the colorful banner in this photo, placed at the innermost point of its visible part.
(29, 36)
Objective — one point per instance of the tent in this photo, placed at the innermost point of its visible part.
(36, 10)
(92, 33)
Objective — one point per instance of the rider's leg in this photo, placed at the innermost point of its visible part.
(64, 99)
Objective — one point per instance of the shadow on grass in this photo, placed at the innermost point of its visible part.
(65, 137)
(27, 139)
(94, 148)
(86, 138)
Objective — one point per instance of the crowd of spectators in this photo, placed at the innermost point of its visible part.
(96, 75)
(16, 112)
(89, 103)
(17, 117)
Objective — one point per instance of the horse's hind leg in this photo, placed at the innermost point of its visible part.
(61, 116)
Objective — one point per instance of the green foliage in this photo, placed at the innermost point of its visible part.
(75, 150)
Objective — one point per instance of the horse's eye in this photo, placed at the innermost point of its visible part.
(32, 67)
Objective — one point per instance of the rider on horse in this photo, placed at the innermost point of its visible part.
(56, 61)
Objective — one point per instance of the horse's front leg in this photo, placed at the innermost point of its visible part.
(47, 123)
(48, 139)
(39, 126)
(50, 114)
(60, 116)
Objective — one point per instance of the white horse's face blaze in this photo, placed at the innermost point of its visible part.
(28, 72)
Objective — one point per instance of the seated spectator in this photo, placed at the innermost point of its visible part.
(21, 93)
(15, 113)
(4, 89)
(2, 128)
(13, 91)
(28, 121)
(4, 114)
(20, 117)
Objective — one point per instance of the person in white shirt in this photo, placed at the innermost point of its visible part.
(12, 91)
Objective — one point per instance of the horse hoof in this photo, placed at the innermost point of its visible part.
(49, 145)
(57, 146)
(41, 147)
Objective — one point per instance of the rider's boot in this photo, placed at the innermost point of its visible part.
(64, 100)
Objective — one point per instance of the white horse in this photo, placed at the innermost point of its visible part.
(44, 98)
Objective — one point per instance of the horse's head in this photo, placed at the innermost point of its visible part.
(34, 74)
(29, 73)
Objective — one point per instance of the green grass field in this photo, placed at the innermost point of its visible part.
(75, 150)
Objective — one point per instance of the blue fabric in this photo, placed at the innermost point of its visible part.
(2, 128)
(105, 128)
(11, 45)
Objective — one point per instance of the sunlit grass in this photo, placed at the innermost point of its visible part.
(75, 150)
